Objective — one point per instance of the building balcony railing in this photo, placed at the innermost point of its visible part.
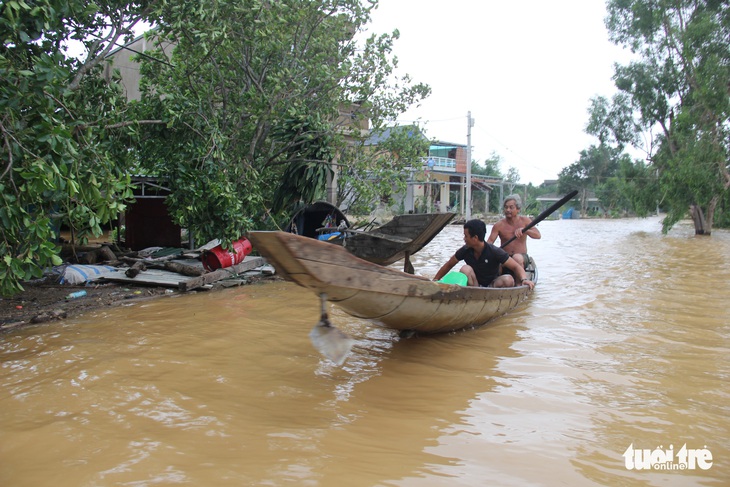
(439, 163)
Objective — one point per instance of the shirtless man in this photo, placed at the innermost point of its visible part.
(511, 226)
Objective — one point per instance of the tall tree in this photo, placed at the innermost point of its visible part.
(612, 121)
(595, 165)
(492, 167)
(261, 99)
(512, 179)
(678, 85)
(63, 152)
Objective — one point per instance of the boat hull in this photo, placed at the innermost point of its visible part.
(383, 295)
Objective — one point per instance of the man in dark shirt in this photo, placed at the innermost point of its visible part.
(482, 261)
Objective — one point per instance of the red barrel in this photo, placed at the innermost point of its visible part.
(219, 258)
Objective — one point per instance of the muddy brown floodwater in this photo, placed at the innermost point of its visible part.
(620, 354)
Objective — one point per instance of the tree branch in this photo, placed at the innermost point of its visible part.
(6, 140)
(117, 31)
(131, 122)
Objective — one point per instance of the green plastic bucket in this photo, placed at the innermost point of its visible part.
(455, 278)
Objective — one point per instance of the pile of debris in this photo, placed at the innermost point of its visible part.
(101, 275)
(175, 268)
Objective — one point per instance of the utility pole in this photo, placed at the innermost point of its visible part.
(470, 123)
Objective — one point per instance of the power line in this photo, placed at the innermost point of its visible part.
(460, 118)
(431, 121)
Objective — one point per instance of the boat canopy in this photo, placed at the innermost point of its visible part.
(314, 217)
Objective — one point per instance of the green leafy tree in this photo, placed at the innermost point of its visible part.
(530, 205)
(595, 165)
(631, 186)
(62, 128)
(612, 122)
(512, 179)
(371, 174)
(678, 87)
(492, 166)
(261, 99)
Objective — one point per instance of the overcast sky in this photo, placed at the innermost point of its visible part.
(526, 71)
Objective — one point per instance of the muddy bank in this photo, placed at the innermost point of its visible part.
(44, 301)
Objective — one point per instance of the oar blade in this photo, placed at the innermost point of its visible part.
(331, 342)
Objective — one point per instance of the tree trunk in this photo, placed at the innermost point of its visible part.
(184, 269)
(101, 254)
(136, 268)
(711, 213)
(698, 216)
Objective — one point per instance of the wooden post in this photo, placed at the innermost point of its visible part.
(247, 264)
(186, 270)
(136, 268)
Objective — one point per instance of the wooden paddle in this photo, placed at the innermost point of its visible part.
(330, 341)
(545, 214)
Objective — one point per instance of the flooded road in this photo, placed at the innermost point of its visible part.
(225, 389)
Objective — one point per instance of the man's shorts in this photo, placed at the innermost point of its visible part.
(525, 259)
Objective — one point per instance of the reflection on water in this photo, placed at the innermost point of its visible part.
(625, 341)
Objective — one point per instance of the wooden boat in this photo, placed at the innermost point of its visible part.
(398, 239)
(383, 295)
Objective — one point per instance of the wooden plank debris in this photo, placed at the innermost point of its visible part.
(185, 269)
(188, 267)
(248, 264)
(166, 278)
(150, 277)
(136, 268)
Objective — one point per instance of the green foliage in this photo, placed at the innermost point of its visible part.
(612, 122)
(676, 87)
(372, 174)
(260, 100)
(307, 170)
(594, 167)
(62, 162)
(632, 188)
(691, 174)
(250, 94)
(511, 179)
(722, 215)
(492, 166)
